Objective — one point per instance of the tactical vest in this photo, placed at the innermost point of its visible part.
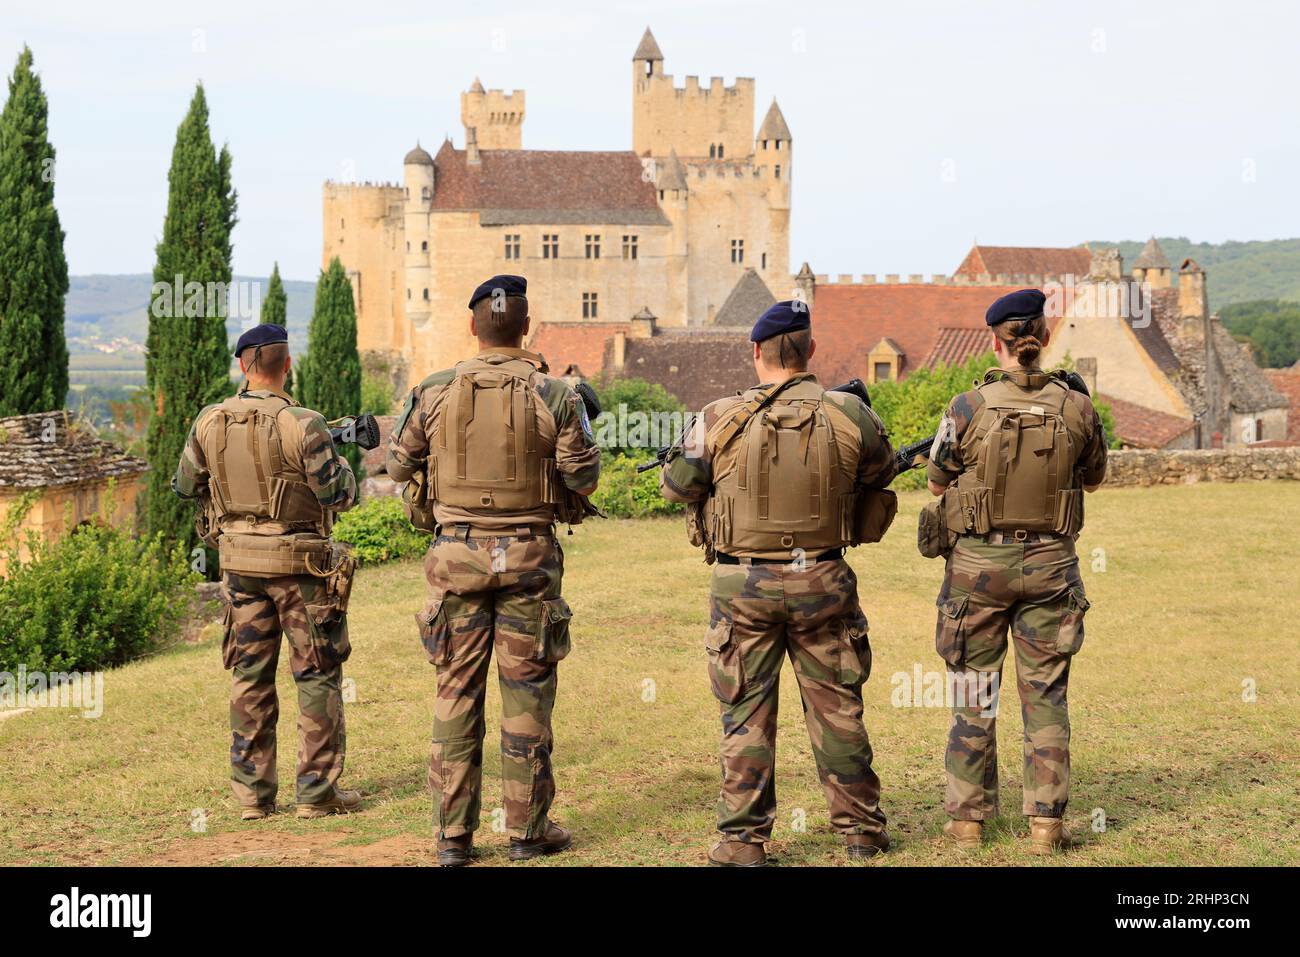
(1023, 472)
(786, 488)
(249, 480)
(486, 450)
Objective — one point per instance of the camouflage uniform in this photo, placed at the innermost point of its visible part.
(494, 584)
(807, 609)
(260, 608)
(1032, 589)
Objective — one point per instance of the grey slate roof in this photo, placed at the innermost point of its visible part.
(74, 455)
(774, 126)
(748, 299)
(1151, 257)
(647, 49)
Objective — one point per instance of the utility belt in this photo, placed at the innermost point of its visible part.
(1019, 536)
(833, 555)
(464, 531)
(271, 556)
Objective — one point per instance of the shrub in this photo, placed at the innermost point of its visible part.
(623, 493)
(98, 597)
(647, 407)
(379, 531)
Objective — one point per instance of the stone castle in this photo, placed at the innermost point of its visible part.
(667, 229)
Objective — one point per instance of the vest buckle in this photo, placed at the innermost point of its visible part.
(1021, 535)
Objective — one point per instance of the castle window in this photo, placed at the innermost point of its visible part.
(719, 151)
(713, 151)
(512, 246)
(778, 146)
(884, 371)
(593, 245)
(550, 245)
(737, 250)
(426, 194)
(424, 245)
(408, 245)
(778, 170)
(629, 246)
(764, 144)
(661, 195)
(426, 295)
(589, 305)
(763, 261)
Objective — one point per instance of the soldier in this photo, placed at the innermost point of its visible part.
(1012, 460)
(493, 451)
(780, 479)
(270, 482)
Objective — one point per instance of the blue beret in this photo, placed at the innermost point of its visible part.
(261, 335)
(788, 316)
(1021, 304)
(509, 285)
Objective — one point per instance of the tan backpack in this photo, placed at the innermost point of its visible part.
(1024, 472)
(248, 476)
(486, 453)
(786, 489)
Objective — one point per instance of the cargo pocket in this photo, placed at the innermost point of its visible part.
(435, 633)
(229, 646)
(330, 644)
(1070, 637)
(855, 649)
(950, 632)
(726, 666)
(553, 641)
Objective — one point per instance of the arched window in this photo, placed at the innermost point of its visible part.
(713, 151)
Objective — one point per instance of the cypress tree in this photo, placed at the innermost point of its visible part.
(329, 377)
(33, 269)
(188, 356)
(275, 309)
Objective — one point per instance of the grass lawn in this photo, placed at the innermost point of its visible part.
(1187, 615)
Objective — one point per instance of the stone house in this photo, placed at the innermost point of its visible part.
(70, 469)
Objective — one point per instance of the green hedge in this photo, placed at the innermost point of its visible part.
(379, 531)
(623, 493)
(96, 598)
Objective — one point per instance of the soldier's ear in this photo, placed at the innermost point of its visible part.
(812, 348)
(528, 322)
(288, 364)
(473, 327)
(997, 345)
(242, 368)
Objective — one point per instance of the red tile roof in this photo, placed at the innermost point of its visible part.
(955, 345)
(848, 319)
(1145, 428)
(1026, 261)
(1287, 381)
(546, 186)
(574, 343)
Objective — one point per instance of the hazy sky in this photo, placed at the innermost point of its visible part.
(918, 127)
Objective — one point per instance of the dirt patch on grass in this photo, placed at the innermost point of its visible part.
(279, 848)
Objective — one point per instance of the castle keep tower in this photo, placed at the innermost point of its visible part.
(495, 118)
(418, 175)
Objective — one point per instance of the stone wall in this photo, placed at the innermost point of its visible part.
(1167, 467)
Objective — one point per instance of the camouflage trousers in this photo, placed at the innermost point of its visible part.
(1033, 591)
(258, 610)
(760, 614)
(485, 594)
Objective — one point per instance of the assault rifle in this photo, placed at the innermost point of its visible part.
(918, 453)
(852, 387)
(361, 429)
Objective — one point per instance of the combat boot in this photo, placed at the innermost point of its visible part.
(257, 812)
(967, 834)
(729, 853)
(553, 840)
(862, 846)
(1048, 834)
(343, 802)
(455, 851)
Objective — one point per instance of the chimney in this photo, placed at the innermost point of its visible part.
(643, 324)
(471, 145)
(620, 351)
(805, 285)
(1086, 366)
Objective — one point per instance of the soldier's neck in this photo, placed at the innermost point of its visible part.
(265, 385)
(767, 374)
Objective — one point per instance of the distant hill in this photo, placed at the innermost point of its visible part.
(104, 309)
(1238, 272)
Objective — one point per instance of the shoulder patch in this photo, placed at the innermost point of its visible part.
(442, 377)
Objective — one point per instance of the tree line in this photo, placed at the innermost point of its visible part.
(188, 354)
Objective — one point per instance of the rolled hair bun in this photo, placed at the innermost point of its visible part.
(1024, 339)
